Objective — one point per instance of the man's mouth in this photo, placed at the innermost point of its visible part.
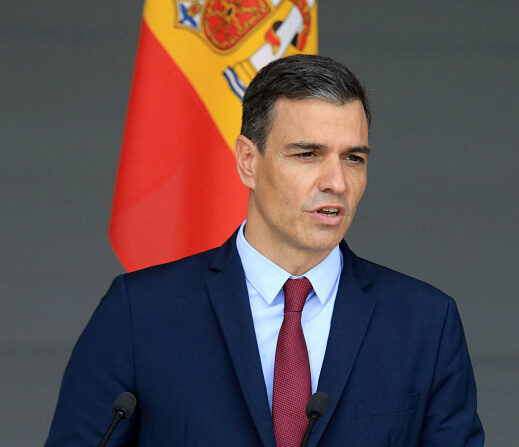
(328, 211)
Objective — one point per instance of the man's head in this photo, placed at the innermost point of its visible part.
(303, 155)
(296, 77)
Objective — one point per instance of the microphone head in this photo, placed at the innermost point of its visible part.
(125, 403)
(317, 405)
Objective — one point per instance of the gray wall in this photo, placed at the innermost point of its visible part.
(441, 203)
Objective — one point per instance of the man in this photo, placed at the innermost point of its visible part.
(225, 347)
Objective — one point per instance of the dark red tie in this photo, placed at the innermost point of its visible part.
(292, 383)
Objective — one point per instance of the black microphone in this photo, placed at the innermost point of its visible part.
(122, 407)
(315, 408)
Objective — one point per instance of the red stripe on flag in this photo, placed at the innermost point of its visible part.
(177, 191)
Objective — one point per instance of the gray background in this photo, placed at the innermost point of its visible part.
(441, 203)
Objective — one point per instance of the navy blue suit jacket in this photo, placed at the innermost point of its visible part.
(180, 336)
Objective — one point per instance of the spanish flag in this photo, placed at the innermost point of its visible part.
(177, 190)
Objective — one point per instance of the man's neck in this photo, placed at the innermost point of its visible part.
(291, 259)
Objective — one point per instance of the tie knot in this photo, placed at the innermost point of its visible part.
(296, 292)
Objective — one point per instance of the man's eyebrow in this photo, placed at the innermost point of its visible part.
(360, 149)
(303, 145)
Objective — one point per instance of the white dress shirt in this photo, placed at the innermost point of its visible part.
(265, 282)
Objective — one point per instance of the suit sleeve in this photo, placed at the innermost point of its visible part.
(451, 416)
(99, 369)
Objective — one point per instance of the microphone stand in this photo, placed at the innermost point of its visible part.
(117, 418)
(309, 428)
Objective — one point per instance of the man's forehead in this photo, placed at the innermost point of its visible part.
(303, 118)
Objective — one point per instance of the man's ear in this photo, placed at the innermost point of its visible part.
(246, 154)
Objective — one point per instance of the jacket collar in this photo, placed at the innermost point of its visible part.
(351, 317)
(227, 291)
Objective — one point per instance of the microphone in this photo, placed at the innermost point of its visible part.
(316, 407)
(122, 407)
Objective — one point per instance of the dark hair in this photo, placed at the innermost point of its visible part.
(296, 77)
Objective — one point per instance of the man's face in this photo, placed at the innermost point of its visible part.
(309, 181)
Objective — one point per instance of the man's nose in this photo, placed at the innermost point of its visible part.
(333, 178)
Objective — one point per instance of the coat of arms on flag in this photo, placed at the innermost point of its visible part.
(224, 24)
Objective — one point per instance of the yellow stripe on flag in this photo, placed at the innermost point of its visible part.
(271, 26)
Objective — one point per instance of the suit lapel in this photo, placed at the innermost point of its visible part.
(351, 316)
(228, 293)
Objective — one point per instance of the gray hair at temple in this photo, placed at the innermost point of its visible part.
(297, 77)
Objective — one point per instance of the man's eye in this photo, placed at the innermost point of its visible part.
(305, 155)
(355, 158)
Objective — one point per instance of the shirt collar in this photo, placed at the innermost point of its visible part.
(268, 278)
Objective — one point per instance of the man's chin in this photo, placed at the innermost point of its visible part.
(328, 239)
(325, 245)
